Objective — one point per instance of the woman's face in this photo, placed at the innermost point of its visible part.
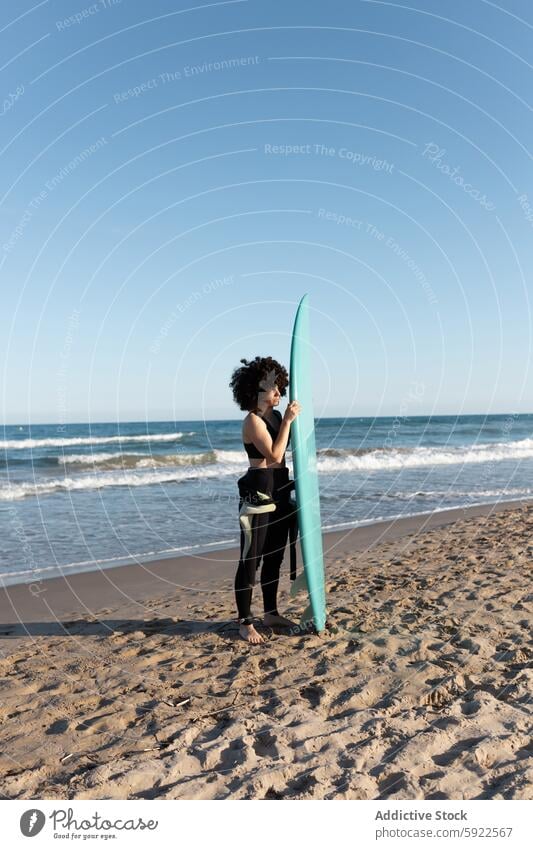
(271, 397)
(268, 391)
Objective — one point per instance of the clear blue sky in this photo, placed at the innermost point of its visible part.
(176, 175)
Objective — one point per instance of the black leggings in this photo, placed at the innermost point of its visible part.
(269, 539)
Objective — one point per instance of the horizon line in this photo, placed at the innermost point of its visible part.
(322, 418)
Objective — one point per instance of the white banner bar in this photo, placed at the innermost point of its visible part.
(354, 823)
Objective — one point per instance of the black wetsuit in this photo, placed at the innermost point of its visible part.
(267, 517)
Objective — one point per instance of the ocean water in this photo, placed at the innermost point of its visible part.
(78, 497)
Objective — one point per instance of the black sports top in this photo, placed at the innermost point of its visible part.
(254, 452)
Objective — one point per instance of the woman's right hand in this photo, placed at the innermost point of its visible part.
(293, 410)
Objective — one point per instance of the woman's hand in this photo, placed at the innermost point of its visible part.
(293, 410)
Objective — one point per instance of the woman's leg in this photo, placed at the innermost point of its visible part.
(245, 577)
(274, 550)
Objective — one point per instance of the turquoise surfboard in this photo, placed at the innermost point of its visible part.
(305, 472)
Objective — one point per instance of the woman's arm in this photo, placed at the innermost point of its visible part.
(272, 450)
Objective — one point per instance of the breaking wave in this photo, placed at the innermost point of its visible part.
(380, 459)
(70, 441)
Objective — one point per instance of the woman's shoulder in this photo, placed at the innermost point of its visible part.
(251, 418)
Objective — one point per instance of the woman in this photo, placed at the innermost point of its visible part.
(266, 513)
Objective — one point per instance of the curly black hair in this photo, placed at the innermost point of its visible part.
(246, 380)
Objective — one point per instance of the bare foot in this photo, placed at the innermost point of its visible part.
(280, 621)
(249, 634)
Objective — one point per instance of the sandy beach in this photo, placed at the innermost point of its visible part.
(132, 683)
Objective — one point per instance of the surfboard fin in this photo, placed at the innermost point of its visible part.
(300, 583)
(307, 617)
